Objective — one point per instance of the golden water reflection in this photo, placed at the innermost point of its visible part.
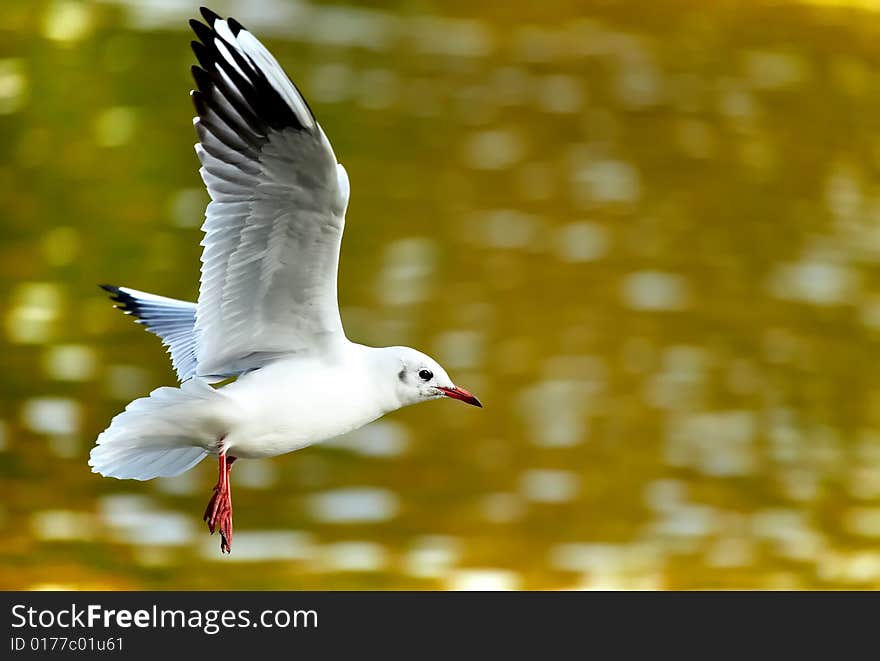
(650, 242)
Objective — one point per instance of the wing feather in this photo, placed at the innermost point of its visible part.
(276, 216)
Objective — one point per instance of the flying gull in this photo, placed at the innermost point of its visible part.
(267, 311)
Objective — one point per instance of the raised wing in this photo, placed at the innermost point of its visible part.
(278, 199)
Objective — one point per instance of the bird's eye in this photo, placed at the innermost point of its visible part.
(426, 375)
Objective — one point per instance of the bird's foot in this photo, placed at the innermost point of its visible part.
(218, 514)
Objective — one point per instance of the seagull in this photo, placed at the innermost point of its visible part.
(267, 320)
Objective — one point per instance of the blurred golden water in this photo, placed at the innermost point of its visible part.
(648, 239)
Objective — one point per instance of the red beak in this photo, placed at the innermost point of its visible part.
(460, 394)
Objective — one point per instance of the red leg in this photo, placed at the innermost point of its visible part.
(219, 510)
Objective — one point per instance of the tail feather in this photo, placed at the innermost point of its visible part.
(140, 464)
(161, 435)
(171, 319)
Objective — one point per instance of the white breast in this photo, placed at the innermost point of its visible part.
(294, 403)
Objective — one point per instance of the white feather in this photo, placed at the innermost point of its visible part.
(221, 27)
(228, 57)
(162, 435)
(267, 63)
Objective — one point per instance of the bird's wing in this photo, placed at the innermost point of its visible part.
(278, 199)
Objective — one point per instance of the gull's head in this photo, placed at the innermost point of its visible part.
(418, 378)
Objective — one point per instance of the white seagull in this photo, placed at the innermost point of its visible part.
(267, 311)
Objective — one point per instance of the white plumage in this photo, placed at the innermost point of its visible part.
(267, 311)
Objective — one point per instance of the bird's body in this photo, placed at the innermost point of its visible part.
(267, 311)
(295, 402)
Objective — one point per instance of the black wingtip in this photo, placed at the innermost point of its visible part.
(116, 295)
(265, 106)
(203, 32)
(209, 15)
(201, 77)
(203, 55)
(125, 302)
(235, 26)
(198, 100)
